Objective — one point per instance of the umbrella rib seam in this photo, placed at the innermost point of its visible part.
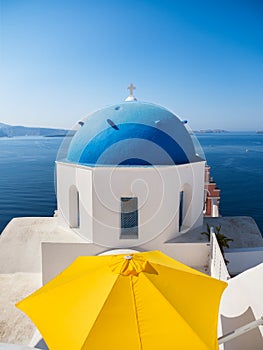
(145, 274)
(136, 314)
(94, 323)
(182, 268)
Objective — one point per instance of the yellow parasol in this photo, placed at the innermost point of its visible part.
(142, 301)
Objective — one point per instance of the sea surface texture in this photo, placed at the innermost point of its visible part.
(236, 161)
(27, 174)
(27, 186)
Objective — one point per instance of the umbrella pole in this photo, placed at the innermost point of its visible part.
(239, 331)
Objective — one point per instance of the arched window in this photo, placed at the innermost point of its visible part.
(74, 215)
(185, 209)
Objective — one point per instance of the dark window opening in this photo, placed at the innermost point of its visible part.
(129, 217)
(181, 208)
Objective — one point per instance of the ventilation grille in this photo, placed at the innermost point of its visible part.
(129, 217)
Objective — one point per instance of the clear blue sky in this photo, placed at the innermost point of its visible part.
(61, 60)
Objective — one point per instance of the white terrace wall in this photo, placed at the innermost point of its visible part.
(195, 255)
(57, 256)
(218, 267)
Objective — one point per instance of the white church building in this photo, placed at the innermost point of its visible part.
(131, 178)
(131, 174)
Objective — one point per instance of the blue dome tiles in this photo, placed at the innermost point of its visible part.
(132, 134)
(93, 152)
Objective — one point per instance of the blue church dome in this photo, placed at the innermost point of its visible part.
(132, 134)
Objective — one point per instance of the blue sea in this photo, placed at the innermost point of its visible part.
(27, 180)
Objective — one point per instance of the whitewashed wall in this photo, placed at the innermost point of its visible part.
(56, 256)
(218, 268)
(157, 189)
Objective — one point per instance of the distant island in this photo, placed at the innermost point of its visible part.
(211, 131)
(16, 130)
(7, 130)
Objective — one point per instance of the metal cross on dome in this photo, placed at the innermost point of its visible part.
(131, 96)
(131, 88)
